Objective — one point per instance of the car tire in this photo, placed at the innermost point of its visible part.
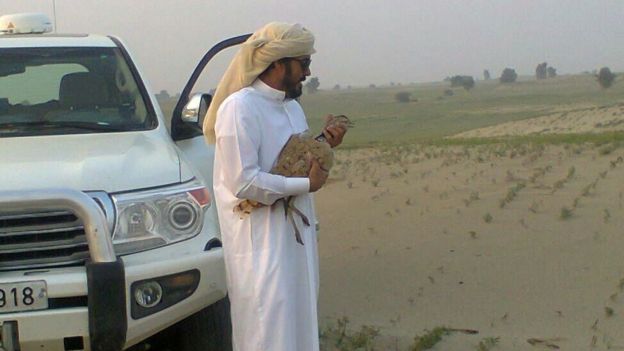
(207, 330)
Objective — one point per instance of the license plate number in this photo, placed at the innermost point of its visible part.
(23, 296)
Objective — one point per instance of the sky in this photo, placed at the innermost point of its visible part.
(358, 42)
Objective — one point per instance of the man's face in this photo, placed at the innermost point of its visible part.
(296, 71)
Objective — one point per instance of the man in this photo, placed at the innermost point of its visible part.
(272, 279)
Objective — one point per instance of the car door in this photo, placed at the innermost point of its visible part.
(187, 131)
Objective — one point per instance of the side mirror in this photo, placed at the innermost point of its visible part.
(195, 110)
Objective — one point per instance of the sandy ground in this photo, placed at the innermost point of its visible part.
(417, 237)
(579, 120)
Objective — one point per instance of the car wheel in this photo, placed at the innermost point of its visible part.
(207, 330)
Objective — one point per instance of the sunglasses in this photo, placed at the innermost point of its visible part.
(304, 62)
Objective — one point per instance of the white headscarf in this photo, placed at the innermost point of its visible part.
(270, 43)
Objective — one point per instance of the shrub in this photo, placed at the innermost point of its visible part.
(486, 75)
(467, 82)
(402, 96)
(605, 77)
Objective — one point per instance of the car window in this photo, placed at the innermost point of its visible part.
(68, 90)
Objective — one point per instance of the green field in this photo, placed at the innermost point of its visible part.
(431, 115)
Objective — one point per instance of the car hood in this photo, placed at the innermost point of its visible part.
(110, 162)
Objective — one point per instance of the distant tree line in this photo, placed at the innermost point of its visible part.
(604, 77)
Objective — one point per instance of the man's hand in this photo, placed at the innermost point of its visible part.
(334, 134)
(317, 175)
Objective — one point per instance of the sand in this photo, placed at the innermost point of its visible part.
(416, 237)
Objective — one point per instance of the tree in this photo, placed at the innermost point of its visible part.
(312, 85)
(467, 82)
(337, 87)
(552, 72)
(541, 71)
(486, 75)
(508, 76)
(605, 77)
(456, 81)
(163, 95)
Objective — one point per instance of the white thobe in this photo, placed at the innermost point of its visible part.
(272, 279)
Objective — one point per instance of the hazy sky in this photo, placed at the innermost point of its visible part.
(360, 42)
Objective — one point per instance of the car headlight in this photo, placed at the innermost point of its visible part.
(156, 217)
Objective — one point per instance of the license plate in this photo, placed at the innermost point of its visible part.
(23, 296)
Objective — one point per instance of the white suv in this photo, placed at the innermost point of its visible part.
(107, 236)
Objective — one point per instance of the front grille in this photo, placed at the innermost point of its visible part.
(41, 239)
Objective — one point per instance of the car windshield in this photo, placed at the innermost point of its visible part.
(45, 91)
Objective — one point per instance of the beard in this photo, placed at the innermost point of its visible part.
(294, 91)
(293, 86)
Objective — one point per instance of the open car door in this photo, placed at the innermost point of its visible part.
(188, 117)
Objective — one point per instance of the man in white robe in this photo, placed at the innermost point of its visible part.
(272, 279)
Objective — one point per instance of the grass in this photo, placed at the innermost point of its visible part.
(487, 218)
(429, 339)
(571, 172)
(338, 337)
(511, 194)
(607, 149)
(486, 344)
(606, 215)
(474, 196)
(566, 213)
(380, 120)
(586, 191)
(560, 183)
(609, 312)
